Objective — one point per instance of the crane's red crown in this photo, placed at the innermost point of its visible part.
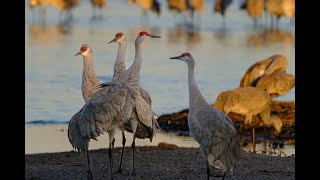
(119, 35)
(144, 33)
(83, 48)
(185, 54)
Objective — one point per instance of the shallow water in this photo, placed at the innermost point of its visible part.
(223, 52)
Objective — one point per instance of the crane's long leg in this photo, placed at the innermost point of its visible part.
(253, 140)
(134, 124)
(89, 171)
(123, 143)
(111, 144)
(208, 169)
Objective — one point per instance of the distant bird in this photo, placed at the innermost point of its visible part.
(195, 6)
(279, 8)
(146, 5)
(211, 128)
(272, 74)
(249, 101)
(220, 6)
(142, 131)
(255, 9)
(64, 6)
(111, 106)
(177, 6)
(98, 4)
(40, 5)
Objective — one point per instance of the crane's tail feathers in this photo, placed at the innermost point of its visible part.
(229, 156)
(81, 130)
(77, 141)
(155, 127)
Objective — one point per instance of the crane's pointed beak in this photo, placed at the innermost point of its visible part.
(176, 57)
(113, 40)
(154, 36)
(79, 53)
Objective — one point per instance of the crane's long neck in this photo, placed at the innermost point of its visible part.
(195, 97)
(120, 64)
(89, 78)
(132, 75)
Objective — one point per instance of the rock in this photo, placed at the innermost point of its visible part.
(164, 145)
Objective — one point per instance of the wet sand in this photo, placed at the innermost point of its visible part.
(152, 163)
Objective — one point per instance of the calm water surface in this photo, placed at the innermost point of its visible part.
(223, 52)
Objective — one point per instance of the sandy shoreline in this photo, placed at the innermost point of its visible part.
(152, 163)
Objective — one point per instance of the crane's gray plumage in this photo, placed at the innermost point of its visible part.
(142, 131)
(249, 101)
(270, 74)
(212, 129)
(113, 105)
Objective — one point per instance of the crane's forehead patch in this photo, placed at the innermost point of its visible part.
(185, 54)
(83, 48)
(144, 33)
(119, 35)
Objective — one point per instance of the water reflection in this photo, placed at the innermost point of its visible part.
(269, 36)
(44, 34)
(186, 33)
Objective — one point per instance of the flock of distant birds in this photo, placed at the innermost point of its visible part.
(255, 8)
(123, 104)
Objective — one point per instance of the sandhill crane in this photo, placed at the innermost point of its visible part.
(255, 9)
(98, 4)
(64, 6)
(279, 8)
(89, 86)
(277, 83)
(266, 66)
(197, 6)
(178, 6)
(111, 106)
(249, 101)
(271, 73)
(220, 6)
(211, 128)
(40, 4)
(152, 5)
(142, 131)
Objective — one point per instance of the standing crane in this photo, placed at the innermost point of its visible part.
(152, 5)
(98, 4)
(142, 131)
(211, 128)
(249, 101)
(279, 8)
(270, 74)
(89, 86)
(220, 6)
(255, 9)
(114, 104)
(40, 5)
(64, 6)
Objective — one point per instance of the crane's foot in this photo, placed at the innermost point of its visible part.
(119, 171)
(133, 174)
(90, 177)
